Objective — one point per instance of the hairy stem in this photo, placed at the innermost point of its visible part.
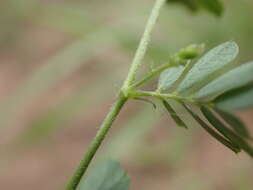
(106, 125)
(143, 44)
(122, 98)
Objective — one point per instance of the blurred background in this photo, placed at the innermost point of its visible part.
(61, 64)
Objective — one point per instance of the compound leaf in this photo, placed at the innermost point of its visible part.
(234, 122)
(107, 175)
(213, 61)
(169, 76)
(235, 78)
(212, 132)
(228, 133)
(235, 99)
(174, 115)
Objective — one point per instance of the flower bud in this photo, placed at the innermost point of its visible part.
(192, 51)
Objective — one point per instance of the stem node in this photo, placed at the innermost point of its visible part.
(124, 95)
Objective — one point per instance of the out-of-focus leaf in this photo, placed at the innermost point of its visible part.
(107, 175)
(228, 133)
(212, 132)
(174, 115)
(211, 62)
(234, 122)
(213, 6)
(191, 4)
(235, 78)
(169, 76)
(239, 98)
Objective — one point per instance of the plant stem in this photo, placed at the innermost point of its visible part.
(141, 50)
(106, 125)
(163, 96)
(152, 74)
(122, 98)
(141, 93)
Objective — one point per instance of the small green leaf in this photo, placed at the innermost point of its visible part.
(190, 4)
(174, 115)
(169, 76)
(211, 62)
(239, 98)
(228, 133)
(212, 132)
(147, 101)
(107, 175)
(235, 78)
(214, 6)
(181, 60)
(234, 122)
(217, 124)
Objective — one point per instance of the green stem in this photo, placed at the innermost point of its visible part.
(151, 75)
(106, 125)
(124, 95)
(141, 93)
(140, 53)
